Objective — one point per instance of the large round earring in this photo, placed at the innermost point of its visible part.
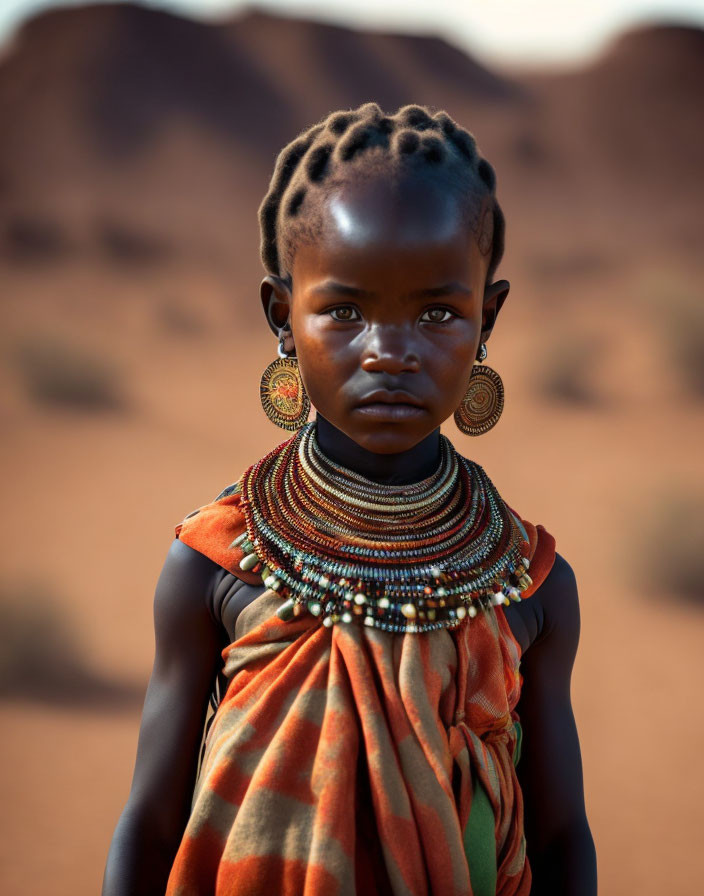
(283, 395)
(483, 402)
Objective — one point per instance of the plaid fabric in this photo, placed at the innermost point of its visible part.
(347, 760)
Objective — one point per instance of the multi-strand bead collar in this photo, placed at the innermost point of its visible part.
(403, 558)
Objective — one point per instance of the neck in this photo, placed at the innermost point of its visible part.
(403, 468)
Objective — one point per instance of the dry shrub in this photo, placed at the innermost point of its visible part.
(41, 657)
(55, 372)
(177, 317)
(124, 244)
(31, 237)
(669, 549)
(579, 265)
(675, 302)
(683, 328)
(566, 365)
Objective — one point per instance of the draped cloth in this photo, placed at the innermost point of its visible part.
(348, 760)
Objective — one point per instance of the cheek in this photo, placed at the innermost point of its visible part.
(451, 377)
(448, 361)
(325, 354)
(309, 330)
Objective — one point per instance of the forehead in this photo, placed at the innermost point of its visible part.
(417, 223)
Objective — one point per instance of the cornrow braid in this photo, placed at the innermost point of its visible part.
(322, 155)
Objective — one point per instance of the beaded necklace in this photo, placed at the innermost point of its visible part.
(402, 558)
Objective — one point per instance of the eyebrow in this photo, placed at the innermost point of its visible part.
(429, 292)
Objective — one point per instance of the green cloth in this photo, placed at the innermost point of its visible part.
(479, 840)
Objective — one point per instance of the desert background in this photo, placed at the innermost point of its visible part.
(135, 146)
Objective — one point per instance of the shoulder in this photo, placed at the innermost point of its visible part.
(558, 593)
(558, 639)
(560, 584)
(185, 589)
(185, 564)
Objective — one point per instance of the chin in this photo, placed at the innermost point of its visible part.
(387, 439)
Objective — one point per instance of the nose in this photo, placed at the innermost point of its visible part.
(389, 349)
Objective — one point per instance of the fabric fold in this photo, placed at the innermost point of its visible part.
(346, 759)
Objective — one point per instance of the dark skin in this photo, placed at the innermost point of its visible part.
(375, 329)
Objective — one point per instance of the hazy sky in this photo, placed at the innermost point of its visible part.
(504, 31)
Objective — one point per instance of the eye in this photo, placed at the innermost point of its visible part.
(440, 320)
(345, 309)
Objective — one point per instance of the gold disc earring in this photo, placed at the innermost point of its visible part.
(483, 402)
(283, 395)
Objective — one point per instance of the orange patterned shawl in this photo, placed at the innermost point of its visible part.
(343, 760)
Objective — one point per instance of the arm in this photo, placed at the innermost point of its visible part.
(558, 839)
(187, 656)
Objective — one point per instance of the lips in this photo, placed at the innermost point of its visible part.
(381, 396)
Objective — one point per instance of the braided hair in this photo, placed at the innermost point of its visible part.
(323, 154)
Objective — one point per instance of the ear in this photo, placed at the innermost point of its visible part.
(494, 297)
(276, 298)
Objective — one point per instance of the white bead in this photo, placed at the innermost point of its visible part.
(347, 616)
(461, 612)
(384, 603)
(248, 561)
(472, 611)
(368, 620)
(327, 622)
(324, 582)
(314, 609)
(360, 598)
(435, 571)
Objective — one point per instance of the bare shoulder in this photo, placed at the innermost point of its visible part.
(558, 596)
(186, 584)
(185, 563)
(553, 605)
(558, 593)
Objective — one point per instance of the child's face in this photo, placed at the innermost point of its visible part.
(363, 316)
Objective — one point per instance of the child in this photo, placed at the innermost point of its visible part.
(368, 591)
